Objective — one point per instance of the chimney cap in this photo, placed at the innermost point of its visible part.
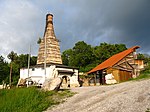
(49, 14)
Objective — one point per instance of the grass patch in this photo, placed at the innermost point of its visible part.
(143, 75)
(30, 99)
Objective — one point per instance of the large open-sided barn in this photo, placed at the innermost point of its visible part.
(120, 67)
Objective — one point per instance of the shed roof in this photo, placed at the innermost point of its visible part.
(114, 59)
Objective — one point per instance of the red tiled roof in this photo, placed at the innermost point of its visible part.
(114, 59)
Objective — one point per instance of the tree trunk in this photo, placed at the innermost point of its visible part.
(10, 75)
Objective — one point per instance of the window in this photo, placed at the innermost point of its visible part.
(33, 69)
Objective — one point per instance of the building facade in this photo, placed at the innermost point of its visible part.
(37, 74)
(49, 62)
(118, 68)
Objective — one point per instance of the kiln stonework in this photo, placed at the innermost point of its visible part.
(53, 54)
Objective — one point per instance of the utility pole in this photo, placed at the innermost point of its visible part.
(45, 52)
(29, 62)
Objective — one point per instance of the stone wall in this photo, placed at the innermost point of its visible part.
(53, 54)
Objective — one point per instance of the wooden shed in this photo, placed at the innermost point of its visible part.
(120, 75)
(120, 67)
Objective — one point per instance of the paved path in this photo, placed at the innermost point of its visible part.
(133, 96)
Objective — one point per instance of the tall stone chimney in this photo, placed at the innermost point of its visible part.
(53, 54)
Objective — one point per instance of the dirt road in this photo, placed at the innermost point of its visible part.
(133, 96)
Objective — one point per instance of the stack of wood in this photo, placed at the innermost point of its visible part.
(21, 83)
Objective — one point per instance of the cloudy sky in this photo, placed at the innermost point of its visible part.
(22, 22)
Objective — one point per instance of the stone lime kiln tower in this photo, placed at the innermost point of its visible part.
(51, 66)
(51, 48)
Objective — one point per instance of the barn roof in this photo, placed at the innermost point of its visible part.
(113, 60)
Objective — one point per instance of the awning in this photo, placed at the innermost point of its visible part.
(66, 72)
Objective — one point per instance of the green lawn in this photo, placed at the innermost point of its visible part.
(30, 99)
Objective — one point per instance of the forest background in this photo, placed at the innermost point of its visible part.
(82, 55)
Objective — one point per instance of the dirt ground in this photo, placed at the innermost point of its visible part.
(132, 96)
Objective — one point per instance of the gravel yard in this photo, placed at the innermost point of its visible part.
(133, 96)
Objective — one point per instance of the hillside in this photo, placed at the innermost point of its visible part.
(133, 96)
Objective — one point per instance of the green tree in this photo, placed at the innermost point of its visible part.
(12, 56)
(144, 57)
(86, 57)
(4, 69)
(10, 71)
(82, 54)
(66, 56)
(22, 60)
(105, 51)
(39, 40)
(33, 60)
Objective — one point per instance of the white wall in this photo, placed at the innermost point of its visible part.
(37, 74)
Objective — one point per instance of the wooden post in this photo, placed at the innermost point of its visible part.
(95, 79)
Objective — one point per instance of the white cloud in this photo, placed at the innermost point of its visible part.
(18, 26)
(22, 22)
